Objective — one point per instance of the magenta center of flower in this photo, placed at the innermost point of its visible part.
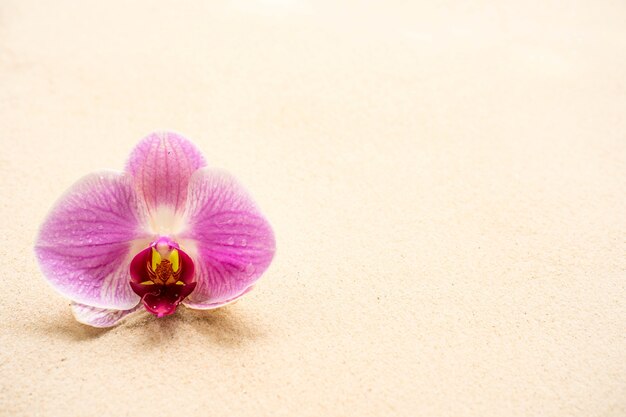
(162, 275)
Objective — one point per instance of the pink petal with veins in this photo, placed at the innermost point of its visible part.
(161, 165)
(230, 241)
(86, 243)
(210, 306)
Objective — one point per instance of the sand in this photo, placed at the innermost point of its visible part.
(446, 183)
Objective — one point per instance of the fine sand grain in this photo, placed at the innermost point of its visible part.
(447, 184)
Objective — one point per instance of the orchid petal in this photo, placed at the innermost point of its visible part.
(99, 317)
(222, 303)
(161, 165)
(86, 243)
(232, 244)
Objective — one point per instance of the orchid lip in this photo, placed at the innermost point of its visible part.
(162, 275)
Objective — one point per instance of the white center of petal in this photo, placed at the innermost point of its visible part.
(165, 221)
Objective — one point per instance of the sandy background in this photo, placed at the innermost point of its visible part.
(447, 186)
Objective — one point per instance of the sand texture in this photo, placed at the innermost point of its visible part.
(447, 184)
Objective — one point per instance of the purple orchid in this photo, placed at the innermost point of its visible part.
(166, 231)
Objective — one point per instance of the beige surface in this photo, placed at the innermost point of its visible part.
(447, 185)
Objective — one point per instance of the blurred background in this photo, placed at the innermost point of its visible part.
(446, 182)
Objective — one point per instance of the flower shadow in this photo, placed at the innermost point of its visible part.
(226, 327)
(65, 327)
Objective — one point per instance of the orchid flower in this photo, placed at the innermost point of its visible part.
(167, 230)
